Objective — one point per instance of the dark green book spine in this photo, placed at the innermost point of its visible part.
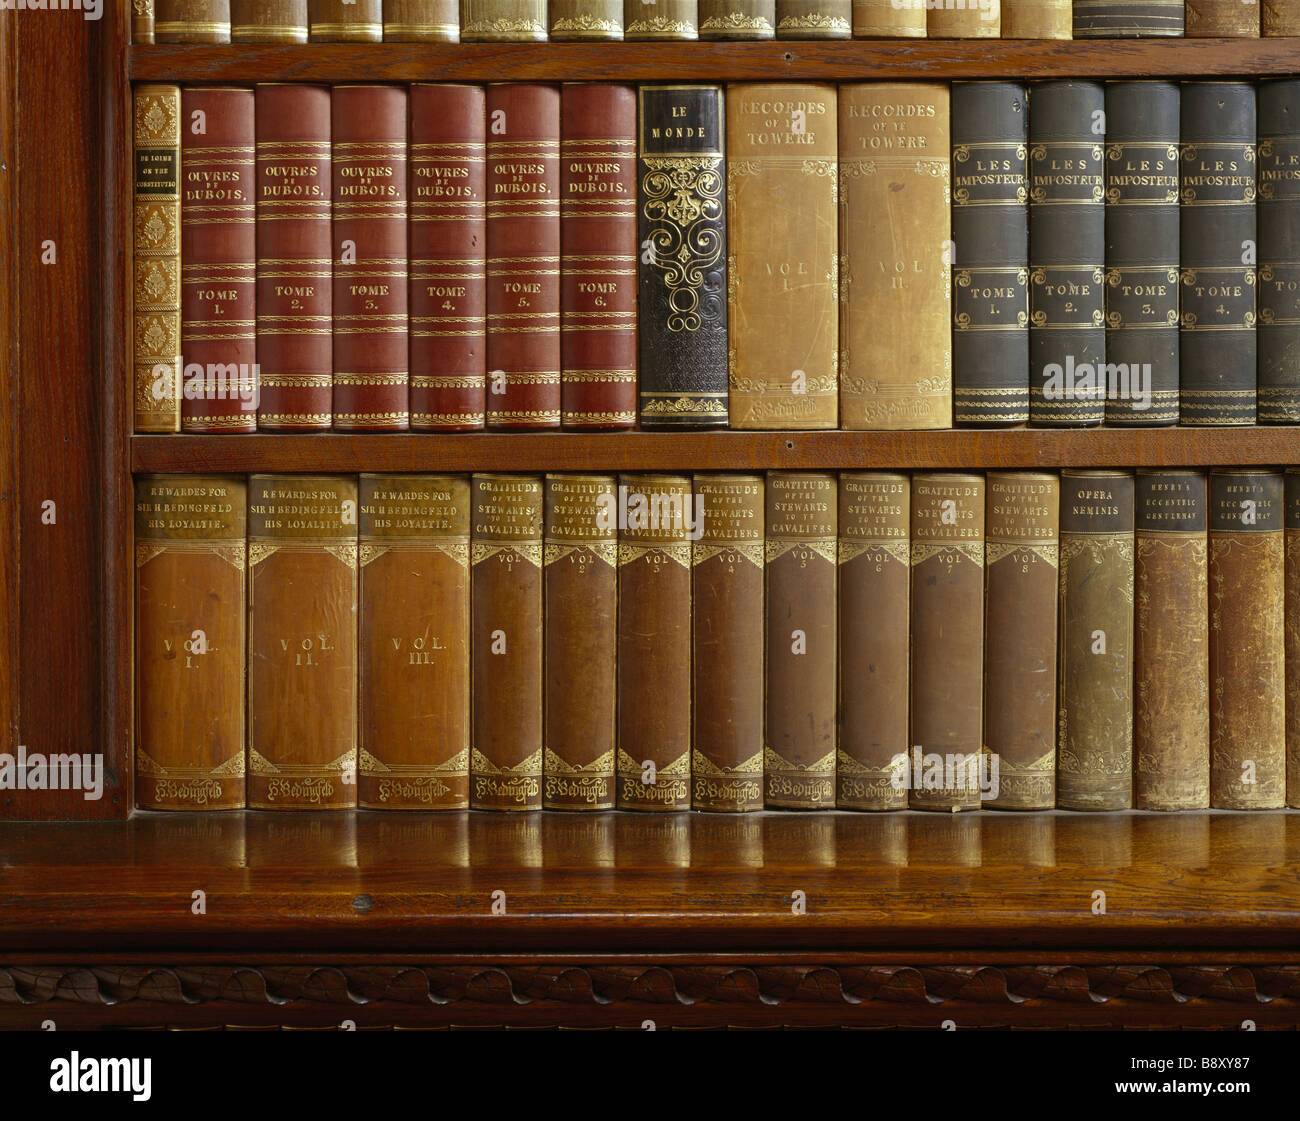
(1279, 252)
(1127, 19)
(1219, 254)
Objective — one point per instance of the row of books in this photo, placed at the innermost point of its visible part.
(1093, 640)
(880, 255)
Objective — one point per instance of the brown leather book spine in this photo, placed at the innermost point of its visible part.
(191, 21)
(874, 585)
(346, 21)
(370, 258)
(421, 21)
(1222, 19)
(657, 523)
(506, 642)
(598, 255)
(1293, 637)
(302, 642)
(1037, 19)
(982, 20)
(579, 20)
(1247, 641)
(799, 750)
(662, 19)
(943, 767)
(727, 644)
(218, 260)
(580, 570)
(448, 231)
(189, 642)
(413, 740)
(884, 19)
(814, 19)
(1171, 725)
(294, 271)
(503, 21)
(268, 21)
(1279, 18)
(142, 21)
(722, 20)
(1021, 570)
(523, 256)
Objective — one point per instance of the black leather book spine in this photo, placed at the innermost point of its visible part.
(1127, 19)
(1279, 252)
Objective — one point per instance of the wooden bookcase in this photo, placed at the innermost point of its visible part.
(610, 919)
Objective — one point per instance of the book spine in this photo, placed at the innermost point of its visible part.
(874, 578)
(982, 20)
(585, 20)
(799, 749)
(503, 21)
(1219, 347)
(947, 629)
(814, 19)
(990, 228)
(1292, 497)
(268, 21)
(783, 256)
(218, 260)
(421, 21)
(523, 256)
(580, 571)
(664, 19)
(506, 642)
(682, 229)
(156, 260)
(1247, 597)
(1280, 18)
(345, 21)
(737, 19)
(727, 646)
(1125, 19)
(414, 642)
(654, 642)
(598, 255)
(894, 152)
(294, 270)
(1095, 680)
(1222, 19)
(1022, 570)
(1067, 239)
(302, 642)
(190, 566)
(191, 21)
(142, 21)
(448, 246)
(1142, 253)
(884, 19)
(1171, 727)
(1278, 215)
(1037, 19)
(371, 366)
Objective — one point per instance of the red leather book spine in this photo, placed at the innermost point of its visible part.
(598, 255)
(218, 261)
(448, 230)
(294, 290)
(370, 309)
(523, 256)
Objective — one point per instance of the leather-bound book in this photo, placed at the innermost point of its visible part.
(1219, 345)
(294, 270)
(142, 21)
(657, 523)
(506, 642)
(1067, 244)
(413, 739)
(523, 256)
(1278, 215)
(1094, 762)
(894, 199)
(156, 260)
(503, 21)
(302, 642)
(814, 19)
(191, 21)
(580, 570)
(346, 21)
(947, 671)
(737, 19)
(727, 648)
(1142, 224)
(421, 21)
(1222, 19)
(1171, 725)
(1247, 640)
(268, 21)
(448, 247)
(371, 367)
(1292, 497)
(990, 231)
(1038, 19)
(1021, 565)
(874, 586)
(578, 20)
(1122, 19)
(782, 256)
(189, 641)
(884, 19)
(682, 231)
(598, 255)
(1279, 18)
(649, 20)
(799, 749)
(953, 20)
(218, 260)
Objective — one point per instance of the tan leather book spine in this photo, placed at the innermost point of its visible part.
(1279, 18)
(1171, 717)
(1222, 19)
(799, 750)
(191, 21)
(346, 21)
(814, 19)
(190, 565)
(580, 572)
(657, 523)
(885, 19)
(1021, 572)
(1037, 19)
(964, 19)
(660, 19)
(782, 265)
(585, 20)
(727, 645)
(421, 21)
(302, 642)
(503, 21)
(268, 21)
(413, 741)
(943, 768)
(894, 156)
(1247, 640)
(142, 21)
(722, 20)
(1293, 637)
(875, 510)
